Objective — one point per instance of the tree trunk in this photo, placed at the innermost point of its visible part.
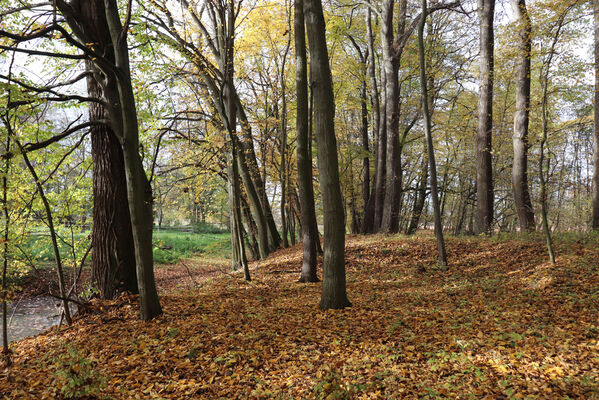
(334, 286)
(304, 156)
(5, 254)
(391, 62)
(429, 141)
(420, 197)
(595, 213)
(484, 136)
(113, 260)
(521, 119)
(365, 147)
(368, 222)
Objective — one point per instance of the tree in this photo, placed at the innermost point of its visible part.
(304, 157)
(112, 58)
(334, 293)
(429, 140)
(521, 120)
(595, 206)
(113, 261)
(484, 136)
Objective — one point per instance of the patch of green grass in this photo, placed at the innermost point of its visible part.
(170, 246)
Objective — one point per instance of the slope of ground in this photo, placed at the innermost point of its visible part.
(499, 323)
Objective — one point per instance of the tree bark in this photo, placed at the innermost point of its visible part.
(595, 206)
(368, 222)
(420, 197)
(334, 284)
(391, 63)
(484, 136)
(429, 141)
(304, 156)
(113, 257)
(521, 120)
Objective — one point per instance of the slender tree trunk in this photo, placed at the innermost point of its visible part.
(304, 156)
(113, 261)
(595, 206)
(381, 165)
(521, 119)
(544, 79)
(229, 96)
(254, 204)
(420, 197)
(334, 293)
(365, 147)
(50, 221)
(248, 154)
(283, 171)
(5, 254)
(368, 223)
(484, 136)
(429, 141)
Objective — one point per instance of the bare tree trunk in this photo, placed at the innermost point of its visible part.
(50, 221)
(521, 119)
(381, 165)
(391, 63)
(368, 222)
(484, 137)
(283, 171)
(113, 261)
(595, 212)
(304, 156)
(5, 254)
(429, 141)
(365, 147)
(544, 79)
(334, 293)
(420, 197)
(229, 96)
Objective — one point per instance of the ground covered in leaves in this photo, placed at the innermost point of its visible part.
(499, 323)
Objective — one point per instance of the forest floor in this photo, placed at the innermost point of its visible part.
(501, 322)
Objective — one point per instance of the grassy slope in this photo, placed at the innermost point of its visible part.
(501, 323)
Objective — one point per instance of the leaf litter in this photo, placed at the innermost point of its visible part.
(499, 323)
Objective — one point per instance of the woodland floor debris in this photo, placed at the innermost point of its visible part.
(499, 323)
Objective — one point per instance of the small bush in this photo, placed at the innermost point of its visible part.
(77, 376)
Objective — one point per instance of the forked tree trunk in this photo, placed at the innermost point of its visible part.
(521, 119)
(334, 293)
(484, 136)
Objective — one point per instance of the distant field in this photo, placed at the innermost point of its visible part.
(169, 245)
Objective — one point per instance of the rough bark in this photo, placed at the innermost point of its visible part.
(334, 283)
(113, 260)
(484, 136)
(304, 156)
(521, 120)
(112, 58)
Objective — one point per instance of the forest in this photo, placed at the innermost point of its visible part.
(299, 199)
